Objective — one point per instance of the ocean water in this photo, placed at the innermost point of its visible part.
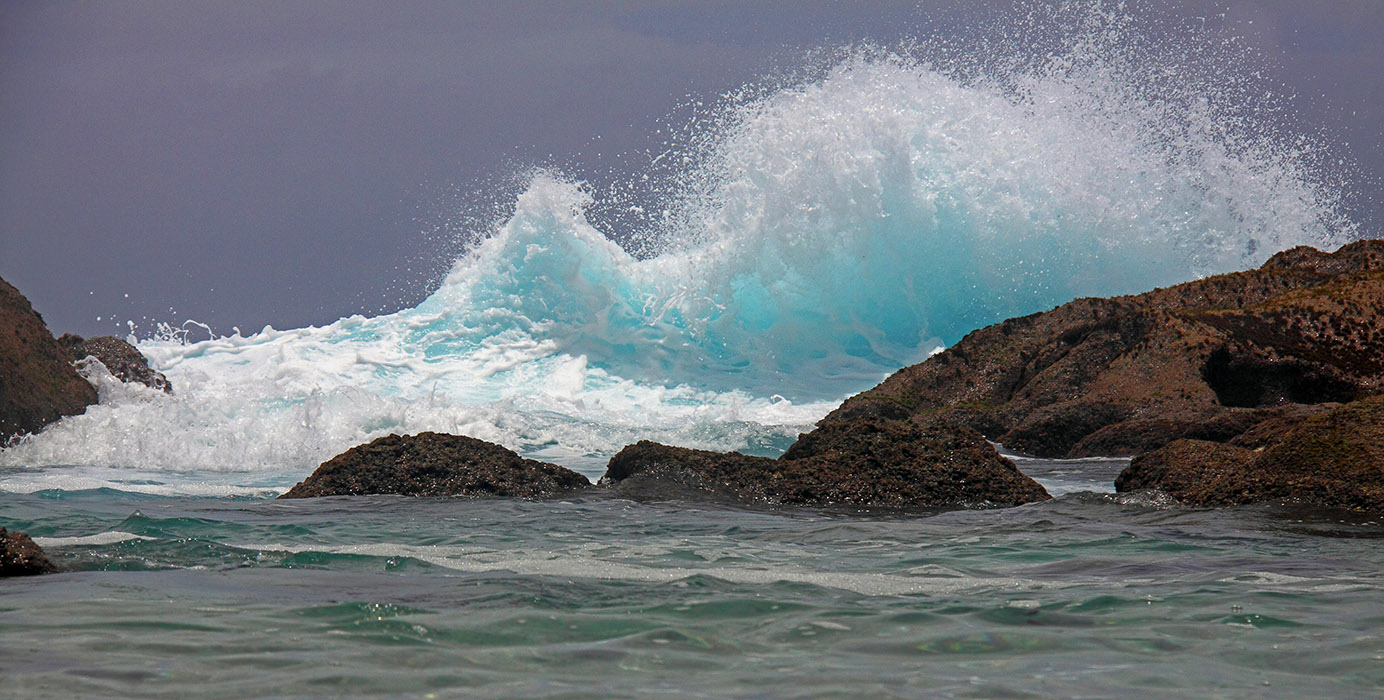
(795, 245)
(1088, 595)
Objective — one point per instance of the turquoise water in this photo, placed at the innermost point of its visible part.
(1089, 595)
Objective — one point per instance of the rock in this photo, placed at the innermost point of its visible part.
(1271, 429)
(650, 470)
(37, 382)
(1196, 472)
(1233, 425)
(19, 556)
(1206, 359)
(436, 464)
(120, 358)
(866, 463)
(908, 463)
(1334, 459)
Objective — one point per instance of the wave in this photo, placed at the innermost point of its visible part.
(823, 234)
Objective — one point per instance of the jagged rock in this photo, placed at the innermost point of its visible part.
(1205, 359)
(37, 382)
(19, 556)
(436, 464)
(866, 463)
(1334, 459)
(120, 358)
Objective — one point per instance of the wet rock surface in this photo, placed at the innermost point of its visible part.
(1334, 459)
(38, 384)
(436, 464)
(19, 556)
(120, 358)
(866, 463)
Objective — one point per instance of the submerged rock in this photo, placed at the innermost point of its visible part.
(120, 358)
(1335, 459)
(436, 464)
(867, 463)
(1208, 359)
(37, 382)
(19, 556)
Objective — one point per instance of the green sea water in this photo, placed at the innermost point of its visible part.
(1089, 595)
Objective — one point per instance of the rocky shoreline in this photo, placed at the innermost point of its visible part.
(40, 383)
(1208, 359)
(1262, 385)
(1245, 387)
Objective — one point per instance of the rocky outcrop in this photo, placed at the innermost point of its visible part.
(866, 463)
(1335, 459)
(120, 358)
(436, 464)
(37, 382)
(19, 556)
(1208, 359)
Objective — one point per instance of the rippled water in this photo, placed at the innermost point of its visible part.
(1089, 595)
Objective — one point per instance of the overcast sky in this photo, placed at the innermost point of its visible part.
(246, 163)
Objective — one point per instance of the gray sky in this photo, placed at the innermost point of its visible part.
(245, 163)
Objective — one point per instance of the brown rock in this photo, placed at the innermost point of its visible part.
(19, 556)
(37, 382)
(436, 464)
(866, 463)
(1278, 421)
(1335, 459)
(1237, 426)
(120, 358)
(1192, 471)
(1205, 359)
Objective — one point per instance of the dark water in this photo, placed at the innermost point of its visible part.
(1089, 595)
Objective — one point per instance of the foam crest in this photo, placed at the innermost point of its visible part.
(581, 564)
(845, 227)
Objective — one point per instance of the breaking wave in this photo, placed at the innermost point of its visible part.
(823, 234)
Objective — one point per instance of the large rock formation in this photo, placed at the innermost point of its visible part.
(435, 464)
(1335, 459)
(19, 556)
(120, 358)
(37, 382)
(1208, 359)
(866, 463)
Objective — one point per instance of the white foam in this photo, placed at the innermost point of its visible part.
(482, 560)
(102, 538)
